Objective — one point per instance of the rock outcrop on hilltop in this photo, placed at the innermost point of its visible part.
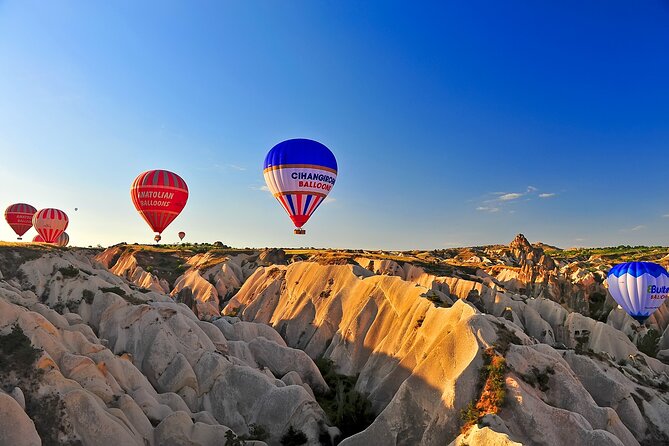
(116, 364)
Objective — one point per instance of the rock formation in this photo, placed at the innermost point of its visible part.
(496, 345)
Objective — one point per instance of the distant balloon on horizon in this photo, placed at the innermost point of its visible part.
(300, 173)
(159, 196)
(181, 235)
(639, 288)
(63, 240)
(38, 239)
(19, 216)
(50, 223)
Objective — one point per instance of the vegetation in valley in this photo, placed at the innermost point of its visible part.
(345, 407)
(119, 291)
(17, 369)
(649, 343)
(293, 437)
(256, 432)
(493, 393)
(538, 378)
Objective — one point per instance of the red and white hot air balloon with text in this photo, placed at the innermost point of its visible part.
(159, 196)
(20, 217)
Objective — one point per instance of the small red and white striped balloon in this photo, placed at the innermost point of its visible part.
(50, 224)
(63, 239)
(38, 239)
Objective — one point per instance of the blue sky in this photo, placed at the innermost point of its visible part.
(453, 124)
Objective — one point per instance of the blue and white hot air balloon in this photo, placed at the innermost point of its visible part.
(300, 173)
(640, 288)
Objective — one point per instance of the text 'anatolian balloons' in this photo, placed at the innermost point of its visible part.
(50, 223)
(640, 288)
(20, 217)
(159, 196)
(300, 173)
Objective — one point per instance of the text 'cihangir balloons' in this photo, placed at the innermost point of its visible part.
(159, 196)
(640, 288)
(20, 217)
(300, 173)
(50, 223)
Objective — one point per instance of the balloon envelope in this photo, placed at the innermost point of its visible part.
(159, 196)
(63, 239)
(38, 239)
(182, 235)
(300, 173)
(640, 288)
(20, 217)
(50, 223)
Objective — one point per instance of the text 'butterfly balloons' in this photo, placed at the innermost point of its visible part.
(640, 288)
(300, 173)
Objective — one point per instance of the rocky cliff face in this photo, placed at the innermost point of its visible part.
(477, 346)
(115, 364)
(420, 362)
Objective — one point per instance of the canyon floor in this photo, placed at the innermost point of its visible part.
(205, 345)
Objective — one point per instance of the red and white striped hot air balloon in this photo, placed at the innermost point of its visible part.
(159, 196)
(38, 239)
(63, 240)
(20, 217)
(50, 223)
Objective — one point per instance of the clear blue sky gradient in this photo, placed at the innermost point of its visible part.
(453, 124)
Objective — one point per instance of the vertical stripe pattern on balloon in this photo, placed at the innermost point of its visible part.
(50, 223)
(19, 216)
(300, 173)
(159, 196)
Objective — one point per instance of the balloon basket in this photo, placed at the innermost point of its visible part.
(299, 231)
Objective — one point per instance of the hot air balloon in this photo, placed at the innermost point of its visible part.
(38, 239)
(63, 240)
(159, 196)
(182, 235)
(50, 223)
(640, 288)
(300, 173)
(157, 238)
(20, 217)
